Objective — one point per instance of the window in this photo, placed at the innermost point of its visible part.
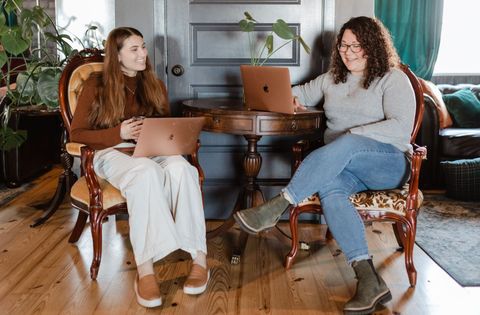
(460, 44)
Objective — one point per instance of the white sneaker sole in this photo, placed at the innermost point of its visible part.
(146, 303)
(247, 228)
(197, 290)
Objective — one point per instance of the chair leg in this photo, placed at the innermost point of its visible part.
(399, 234)
(409, 244)
(65, 183)
(96, 228)
(329, 235)
(78, 229)
(289, 259)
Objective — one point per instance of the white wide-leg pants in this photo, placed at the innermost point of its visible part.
(164, 202)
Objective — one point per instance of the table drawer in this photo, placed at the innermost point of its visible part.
(288, 126)
(232, 124)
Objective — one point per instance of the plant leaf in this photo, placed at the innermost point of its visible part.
(13, 42)
(12, 5)
(269, 43)
(25, 88)
(47, 86)
(304, 45)
(3, 58)
(283, 30)
(10, 139)
(3, 23)
(249, 17)
(40, 16)
(246, 26)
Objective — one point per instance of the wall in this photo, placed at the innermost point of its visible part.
(47, 5)
(75, 16)
(345, 9)
(140, 14)
(49, 8)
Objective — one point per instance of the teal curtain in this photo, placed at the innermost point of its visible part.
(416, 26)
(10, 19)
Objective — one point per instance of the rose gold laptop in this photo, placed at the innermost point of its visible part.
(168, 136)
(267, 88)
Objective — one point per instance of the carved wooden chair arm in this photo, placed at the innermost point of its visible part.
(95, 192)
(193, 159)
(419, 154)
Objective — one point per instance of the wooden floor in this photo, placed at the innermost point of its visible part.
(41, 273)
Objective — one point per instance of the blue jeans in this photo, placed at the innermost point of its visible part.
(350, 164)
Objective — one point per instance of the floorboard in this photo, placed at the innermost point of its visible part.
(41, 273)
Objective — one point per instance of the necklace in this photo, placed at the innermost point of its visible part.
(130, 90)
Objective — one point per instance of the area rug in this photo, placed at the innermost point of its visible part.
(449, 232)
(8, 194)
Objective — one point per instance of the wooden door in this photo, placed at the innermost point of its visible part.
(199, 56)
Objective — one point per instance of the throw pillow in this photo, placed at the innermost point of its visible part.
(429, 88)
(464, 106)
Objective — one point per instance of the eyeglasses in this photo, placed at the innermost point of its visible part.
(355, 48)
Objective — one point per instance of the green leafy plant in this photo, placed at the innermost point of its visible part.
(36, 68)
(279, 28)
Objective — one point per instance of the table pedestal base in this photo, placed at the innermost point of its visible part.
(250, 196)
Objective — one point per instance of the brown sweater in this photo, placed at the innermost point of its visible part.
(98, 139)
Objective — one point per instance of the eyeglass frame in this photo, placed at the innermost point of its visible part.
(351, 47)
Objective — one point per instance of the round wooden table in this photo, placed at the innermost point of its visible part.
(230, 116)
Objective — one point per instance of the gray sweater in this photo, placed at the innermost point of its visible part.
(384, 112)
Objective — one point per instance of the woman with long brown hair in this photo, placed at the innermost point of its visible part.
(370, 108)
(163, 193)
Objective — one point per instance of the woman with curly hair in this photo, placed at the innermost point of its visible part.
(163, 193)
(370, 108)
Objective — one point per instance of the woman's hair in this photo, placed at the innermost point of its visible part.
(109, 107)
(377, 45)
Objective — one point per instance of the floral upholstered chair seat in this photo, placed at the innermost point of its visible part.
(381, 201)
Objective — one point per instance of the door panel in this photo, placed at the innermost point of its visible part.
(204, 38)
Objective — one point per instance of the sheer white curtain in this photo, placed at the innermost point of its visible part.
(459, 44)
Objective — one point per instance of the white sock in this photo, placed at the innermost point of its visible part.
(145, 269)
(201, 259)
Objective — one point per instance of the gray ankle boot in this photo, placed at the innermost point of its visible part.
(371, 289)
(256, 219)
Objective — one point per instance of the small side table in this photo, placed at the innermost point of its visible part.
(232, 117)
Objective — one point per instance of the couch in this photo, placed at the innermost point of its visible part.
(444, 137)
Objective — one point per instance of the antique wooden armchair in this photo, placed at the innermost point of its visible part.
(93, 196)
(399, 206)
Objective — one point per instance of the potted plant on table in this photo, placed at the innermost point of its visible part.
(279, 28)
(260, 55)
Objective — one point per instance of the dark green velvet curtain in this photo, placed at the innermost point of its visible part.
(416, 27)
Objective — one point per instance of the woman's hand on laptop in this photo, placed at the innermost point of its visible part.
(296, 104)
(130, 128)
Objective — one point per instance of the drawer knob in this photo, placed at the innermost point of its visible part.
(294, 125)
